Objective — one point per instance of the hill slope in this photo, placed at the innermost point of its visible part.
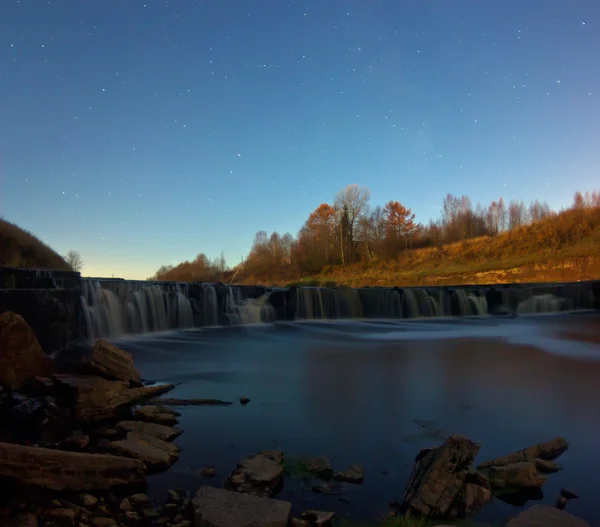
(19, 248)
(563, 247)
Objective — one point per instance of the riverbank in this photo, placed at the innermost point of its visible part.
(81, 441)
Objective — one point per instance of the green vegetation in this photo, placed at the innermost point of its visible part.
(19, 248)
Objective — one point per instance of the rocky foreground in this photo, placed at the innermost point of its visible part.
(78, 439)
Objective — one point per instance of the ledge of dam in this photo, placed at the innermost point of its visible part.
(62, 307)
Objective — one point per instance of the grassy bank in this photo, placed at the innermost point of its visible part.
(19, 248)
(565, 247)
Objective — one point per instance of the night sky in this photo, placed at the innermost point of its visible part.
(142, 132)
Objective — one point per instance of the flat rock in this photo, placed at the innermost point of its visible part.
(156, 414)
(154, 453)
(112, 362)
(260, 474)
(162, 432)
(221, 508)
(438, 478)
(189, 402)
(548, 450)
(318, 518)
(545, 516)
(94, 398)
(21, 356)
(60, 470)
(520, 475)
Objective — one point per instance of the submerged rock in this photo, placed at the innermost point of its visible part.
(221, 508)
(438, 479)
(319, 466)
(60, 470)
(260, 474)
(544, 516)
(355, 474)
(21, 356)
(318, 518)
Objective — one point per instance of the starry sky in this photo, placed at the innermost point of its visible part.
(142, 132)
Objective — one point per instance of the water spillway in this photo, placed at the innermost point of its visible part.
(62, 307)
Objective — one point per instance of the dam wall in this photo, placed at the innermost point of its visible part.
(62, 307)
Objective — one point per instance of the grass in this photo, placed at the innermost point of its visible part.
(20, 248)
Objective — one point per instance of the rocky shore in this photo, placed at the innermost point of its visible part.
(78, 439)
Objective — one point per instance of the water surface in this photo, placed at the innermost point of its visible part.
(375, 392)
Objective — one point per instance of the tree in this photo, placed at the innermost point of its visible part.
(517, 215)
(352, 202)
(399, 223)
(74, 261)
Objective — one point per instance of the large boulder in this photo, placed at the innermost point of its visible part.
(516, 475)
(221, 508)
(60, 470)
(260, 474)
(21, 356)
(544, 516)
(112, 362)
(437, 484)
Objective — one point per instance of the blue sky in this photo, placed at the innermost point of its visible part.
(141, 133)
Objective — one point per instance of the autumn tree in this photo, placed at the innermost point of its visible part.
(399, 224)
(539, 211)
(74, 261)
(517, 215)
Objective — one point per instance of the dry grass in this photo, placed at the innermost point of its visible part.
(565, 247)
(19, 248)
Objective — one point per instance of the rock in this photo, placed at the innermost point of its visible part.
(547, 451)
(260, 474)
(520, 475)
(88, 500)
(318, 518)
(438, 478)
(133, 517)
(355, 474)
(545, 466)
(561, 503)
(330, 489)
(154, 453)
(24, 520)
(189, 402)
(77, 440)
(60, 516)
(103, 522)
(207, 472)
(474, 498)
(244, 400)
(140, 500)
(296, 522)
(94, 398)
(320, 466)
(162, 432)
(221, 508)
(157, 414)
(59, 470)
(126, 505)
(545, 516)
(568, 494)
(21, 356)
(105, 432)
(112, 362)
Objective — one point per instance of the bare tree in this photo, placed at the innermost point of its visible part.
(517, 215)
(353, 203)
(74, 261)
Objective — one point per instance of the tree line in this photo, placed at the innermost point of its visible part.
(350, 230)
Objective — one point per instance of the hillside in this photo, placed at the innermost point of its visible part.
(19, 248)
(562, 247)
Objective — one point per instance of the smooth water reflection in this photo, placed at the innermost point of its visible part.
(374, 393)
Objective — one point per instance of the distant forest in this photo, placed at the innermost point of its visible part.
(350, 231)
